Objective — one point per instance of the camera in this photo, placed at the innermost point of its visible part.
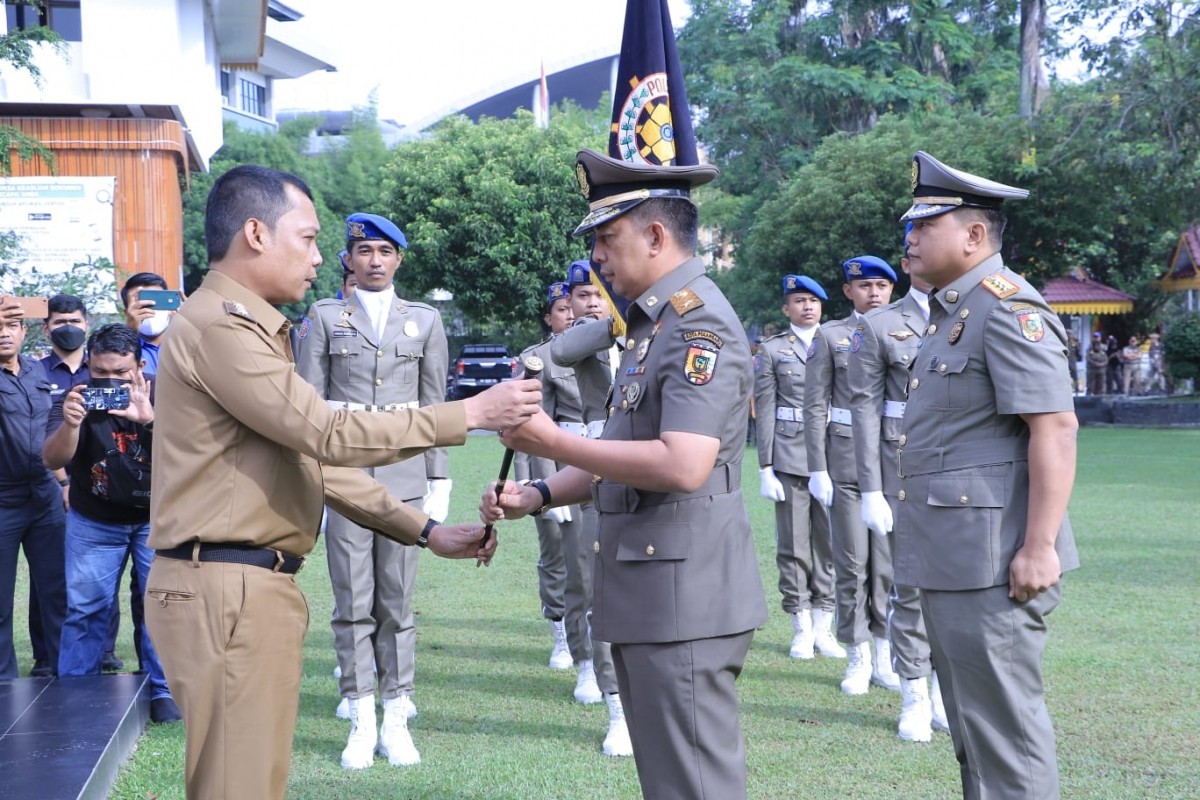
(103, 398)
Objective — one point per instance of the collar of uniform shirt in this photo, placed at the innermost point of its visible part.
(805, 334)
(376, 304)
(922, 300)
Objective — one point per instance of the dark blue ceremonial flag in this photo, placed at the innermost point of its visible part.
(651, 120)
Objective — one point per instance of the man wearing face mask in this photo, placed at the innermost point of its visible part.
(107, 453)
(143, 318)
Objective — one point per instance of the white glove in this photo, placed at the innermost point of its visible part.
(876, 513)
(437, 502)
(771, 489)
(560, 514)
(821, 488)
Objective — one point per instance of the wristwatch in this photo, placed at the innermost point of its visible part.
(423, 539)
(544, 490)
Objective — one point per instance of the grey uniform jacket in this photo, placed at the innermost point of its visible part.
(678, 567)
(560, 401)
(878, 373)
(340, 355)
(584, 347)
(993, 350)
(830, 442)
(779, 383)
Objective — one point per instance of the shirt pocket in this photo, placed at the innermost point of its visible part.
(344, 353)
(407, 367)
(947, 377)
(651, 542)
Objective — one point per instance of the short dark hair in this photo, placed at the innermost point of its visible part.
(679, 217)
(115, 338)
(246, 192)
(138, 280)
(993, 218)
(65, 304)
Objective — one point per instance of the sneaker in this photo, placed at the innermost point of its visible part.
(587, 691)
(823, 639)
(110, 663)
(858, 669)
(882, 673)
(915, 716)
(360, 747)
(617, 742)
(560, 656)
(802, 639)
(163, 709)
(937, 708)
(395, 742)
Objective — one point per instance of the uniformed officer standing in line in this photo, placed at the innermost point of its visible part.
(375, 352)
(878, 376)
(243, 465)
(588, 348)
(862, 563)
(560, 401)
(986, 463)
(677, 589)
(803, 547)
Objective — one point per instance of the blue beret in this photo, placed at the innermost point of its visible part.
(580, 273)
(868, 267)
(794, 284)
(373, 226)
(344, 260)
(557, 291)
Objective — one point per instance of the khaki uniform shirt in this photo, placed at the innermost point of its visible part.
(878, 374)
(830, 442)
(993, 350)
(674, 567)
(244, 445)
(340, 354)
(779, 384)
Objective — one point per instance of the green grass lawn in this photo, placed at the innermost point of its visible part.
(495, 722)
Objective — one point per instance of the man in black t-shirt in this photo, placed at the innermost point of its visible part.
(105, 451)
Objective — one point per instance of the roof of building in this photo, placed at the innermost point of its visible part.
(1183, 270)
(1076, 293)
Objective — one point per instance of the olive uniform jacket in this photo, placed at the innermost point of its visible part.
(673, 566)
(828, 435)
(779, 403)
(993, 351)
(341, 356)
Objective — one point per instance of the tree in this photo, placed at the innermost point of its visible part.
(17, 49)
(1181, 348)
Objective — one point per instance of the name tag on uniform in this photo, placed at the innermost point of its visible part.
(344, 332)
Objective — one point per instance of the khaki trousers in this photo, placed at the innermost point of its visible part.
(803, 548)
(231, 641)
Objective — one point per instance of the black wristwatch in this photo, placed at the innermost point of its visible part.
(423, 539)
(544, 491)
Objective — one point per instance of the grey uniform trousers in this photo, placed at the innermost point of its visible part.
(803, 548)
(862, 565)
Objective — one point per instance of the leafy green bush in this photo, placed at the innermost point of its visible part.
(1181, 348)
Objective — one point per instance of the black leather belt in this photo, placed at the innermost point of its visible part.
(264, 557)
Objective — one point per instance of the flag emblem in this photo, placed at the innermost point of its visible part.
(645, 132)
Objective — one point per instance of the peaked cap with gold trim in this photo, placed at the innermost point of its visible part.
(938, 188)
(612, 186)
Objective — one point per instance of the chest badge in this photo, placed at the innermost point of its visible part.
(642, 349)
(955, 332)
(633, 392)
(410, 328)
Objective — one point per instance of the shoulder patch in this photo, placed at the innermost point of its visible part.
(685, 300)
(856, 340)
(238, 310)
(708, 336)
(1029, 319)
(700, 363)
(999, 285)
(305, 327)
(812, 348)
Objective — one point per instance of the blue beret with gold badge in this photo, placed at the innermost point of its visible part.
(868, 267)
(557, 291)
(795, 284)
(579, 274)
(362, 227)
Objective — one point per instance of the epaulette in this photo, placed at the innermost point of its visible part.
(685, 301)
(238, 310)
(999, 285)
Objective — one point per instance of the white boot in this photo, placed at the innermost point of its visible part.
(560, 656)
(617, 742)
(937, 707)
(586, 689)
(395, 742)
(858, 669)
(360, 747)
(826, 644)
(343, 709)
(882, 673)
(915, 713)
(802, 641)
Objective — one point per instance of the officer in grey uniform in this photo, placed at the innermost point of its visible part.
(375, 351)
(862, 563)
(559, 584)
(878, 375)
(677, 589)
(803, 544)
(986, 460)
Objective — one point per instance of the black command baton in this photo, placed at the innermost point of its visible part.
(533, 369)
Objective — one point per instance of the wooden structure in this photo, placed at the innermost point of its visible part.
(148, 158)
(1183, 271)
(1076, 293)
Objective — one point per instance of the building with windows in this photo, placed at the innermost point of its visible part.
(139, 90)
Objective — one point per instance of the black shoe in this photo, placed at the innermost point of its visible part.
(164, 709)
(110, 663)
(41, 670)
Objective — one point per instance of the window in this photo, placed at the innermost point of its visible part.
(254, 98)
(226, 79)
(61, 16)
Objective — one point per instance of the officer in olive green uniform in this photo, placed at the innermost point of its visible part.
(986, 461)
(374, 351)
(677, 589)
(862, 562)
(803, 545)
